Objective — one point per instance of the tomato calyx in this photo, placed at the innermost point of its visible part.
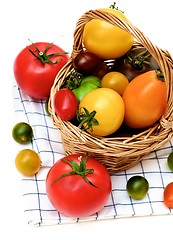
(78, 169)
(86, 117)
(74, 80)
(138, 62)
(43, 56)
(160, 75)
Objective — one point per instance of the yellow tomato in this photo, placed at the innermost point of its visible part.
(109, 108)
(116, 81)
(106, 40)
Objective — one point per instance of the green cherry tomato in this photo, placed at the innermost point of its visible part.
(137, 187)
(170, 161)
(22, 133)
(88, 84)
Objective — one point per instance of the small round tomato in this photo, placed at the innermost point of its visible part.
(105, 40)
(65, 104)
(36, 67)
(27, 162)
(85, 62)
(78, 185)
(168, 195)
(109, 111)
(116, 81)
(88, 84)
(101, 70)
(145, 100)
(22, 132)
(137, 61)
(170, 161)
(137, 187)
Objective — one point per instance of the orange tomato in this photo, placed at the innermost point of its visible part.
(145, 100)
(116, 81)
(168, 195)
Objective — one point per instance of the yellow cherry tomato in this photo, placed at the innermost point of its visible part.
(105, 40)
(27, 162)
(109, 108)
(116, 81)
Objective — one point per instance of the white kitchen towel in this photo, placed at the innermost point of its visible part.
(47, 143)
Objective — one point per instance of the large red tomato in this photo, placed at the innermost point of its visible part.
(36, 67)
(78, 185)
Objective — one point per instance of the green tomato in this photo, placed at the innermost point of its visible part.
(88, 84)
(170, 161)
(137, 187)
(22, 133)
(92, 79)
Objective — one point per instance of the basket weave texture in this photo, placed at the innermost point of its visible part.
(120, 152)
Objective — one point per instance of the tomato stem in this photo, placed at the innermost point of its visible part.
(138, 62)
(113, 6)
(78, 169)
(43, 56)
(86, 117)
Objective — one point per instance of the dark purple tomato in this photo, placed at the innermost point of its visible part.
(86, 62)
(101, 70)
(137, 61)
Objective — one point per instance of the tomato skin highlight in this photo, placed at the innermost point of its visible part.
(65, 104)
(145, 100)
(168, 195)
(34, 78)
(72, 195)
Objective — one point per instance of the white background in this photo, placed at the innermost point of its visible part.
(53, 20)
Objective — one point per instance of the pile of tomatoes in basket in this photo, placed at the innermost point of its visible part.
(114, 82)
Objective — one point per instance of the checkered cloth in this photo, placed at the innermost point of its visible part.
(47, 143)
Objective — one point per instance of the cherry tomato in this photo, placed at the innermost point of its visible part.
(22, 132)
(36, 67)
(86, 62)
(65, 104)
(109, 108)
(88, 84)
(145, 100)
(105, 40)
(101, 70)
(170, 161)
(78, 185)
(137, 187)
(168, 195)
(27, 162)
(137, 61)
(116, 81)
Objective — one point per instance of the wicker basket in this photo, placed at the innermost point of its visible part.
(120, 152)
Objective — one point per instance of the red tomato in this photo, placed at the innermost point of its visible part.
(71, 194)
(145, 100)
(35, 71)
(168, 195)
(65, 104)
